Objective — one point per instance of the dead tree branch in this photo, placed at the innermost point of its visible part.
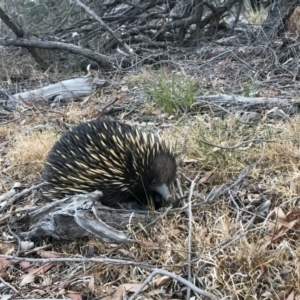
(103, 60)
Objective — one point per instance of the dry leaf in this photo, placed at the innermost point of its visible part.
(124, 88)
(127, 253)
(281, 226)
(42, 269)
(28, 278)
(288, 294)
(279, 213)
(50, 254)
(25, 264)
(161, 281)
(205, 177)
(127, 287)
(291, 216)
(118, 294)
(26, 245)
(74, 296)
(92, 284)
(291, 296)
(3, 263)
(6, 249)
(151, 246)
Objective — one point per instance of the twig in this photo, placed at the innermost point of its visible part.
(15, 235)
(176, 277)
(224, 189)
(238, 145)
(73, 259)
(179, 187)
(165, 213)
(115, 261)
(8, 285)
(108, 105)
(237, 209)
(194, 182)
(96, 17)
(21, 194)
(243, 62)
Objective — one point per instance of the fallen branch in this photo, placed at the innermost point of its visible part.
(103, 60)
(95, 16)
(222, 104)
(71, 89)
(85, 215)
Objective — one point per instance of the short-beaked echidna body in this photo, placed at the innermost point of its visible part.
(122, 162)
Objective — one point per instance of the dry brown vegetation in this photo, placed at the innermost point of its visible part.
(232, 254)
(238, 249)
(244, 244)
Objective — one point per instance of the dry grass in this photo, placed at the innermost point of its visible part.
(256, 18)
(26, 154)
(7, 131)
(294, 23)
(237, 270)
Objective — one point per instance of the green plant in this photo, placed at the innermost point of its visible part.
(173, 93)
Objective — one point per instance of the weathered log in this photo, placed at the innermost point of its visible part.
(71, 89)
(80, 216)
(222, 104)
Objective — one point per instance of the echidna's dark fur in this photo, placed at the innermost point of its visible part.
(117, 159)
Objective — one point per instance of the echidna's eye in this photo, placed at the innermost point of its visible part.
(153, 182)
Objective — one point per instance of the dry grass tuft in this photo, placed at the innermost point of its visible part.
(257, 17)
(26, 154)
(294, 23)
(77, 112)
(7, 131)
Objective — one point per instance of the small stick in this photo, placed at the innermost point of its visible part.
(21, 194)
(238, 145)
(9, 285)
(190, 213)
(96, 17)
(176, 277)
(108, 105)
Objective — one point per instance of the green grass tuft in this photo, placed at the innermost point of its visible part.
(173, 94)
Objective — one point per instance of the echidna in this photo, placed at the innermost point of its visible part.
(122, 162)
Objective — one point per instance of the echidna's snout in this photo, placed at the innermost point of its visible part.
(164, 191)
(163, 171)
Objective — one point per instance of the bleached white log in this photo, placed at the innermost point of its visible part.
(67, 90)
(224, 104)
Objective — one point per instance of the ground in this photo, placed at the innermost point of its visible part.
(242, 243)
